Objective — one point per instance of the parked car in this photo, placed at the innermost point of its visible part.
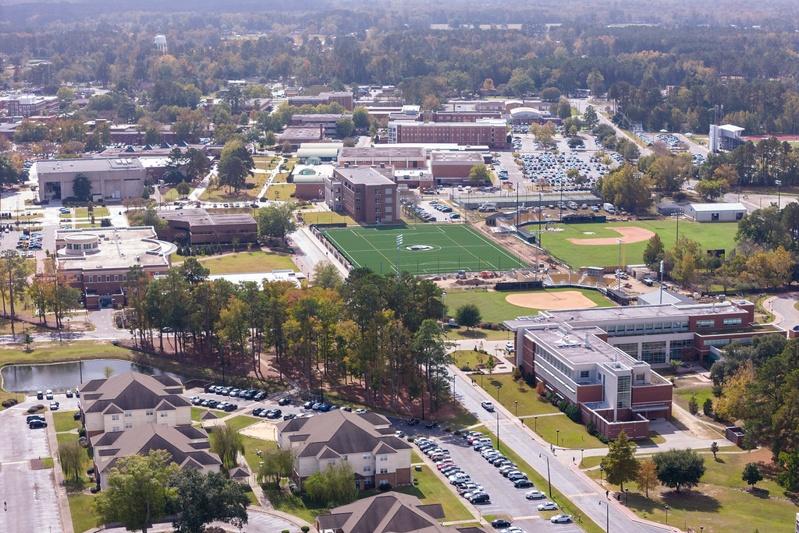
(54, 406)
(500, 523)
(561, 519)
(547, 506)
(535, 495)
(523, 483)
(488, 406)
(30, 418)
(37, 424)
(289, 416)
(39, 395)
(48, 395)
(284, 401)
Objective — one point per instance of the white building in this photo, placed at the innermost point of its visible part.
(725, 137)
(111, 179)
(721, 212)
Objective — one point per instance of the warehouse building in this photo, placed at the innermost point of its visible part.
(723, 212)
(111, 179)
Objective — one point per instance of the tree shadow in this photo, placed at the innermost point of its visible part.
(759, 493)
(689, 500)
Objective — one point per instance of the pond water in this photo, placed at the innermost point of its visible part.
(62, 376)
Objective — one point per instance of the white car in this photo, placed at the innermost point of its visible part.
(534, 495)
(561, 519)
(547, 506)
(509, 346)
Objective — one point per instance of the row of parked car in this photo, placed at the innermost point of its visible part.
(467, 488)
(483, 445)
(233, 392)
(228, 407)
(35, 422)
(272, 414)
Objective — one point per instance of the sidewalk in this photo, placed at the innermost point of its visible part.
(58, 475)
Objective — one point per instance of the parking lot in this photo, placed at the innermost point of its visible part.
(505, 499)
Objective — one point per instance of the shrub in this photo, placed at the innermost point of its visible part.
(573, 412)
(693, 405)
(305, 529)
(11, 402)
(517, 374)
(707, 407)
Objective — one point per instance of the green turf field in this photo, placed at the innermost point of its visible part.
(711, 236)
(453, 247)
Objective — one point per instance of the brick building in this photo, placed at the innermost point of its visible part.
(29, 105)
(325, 121)
(97, 261)
(489, 132)
(450, 167)
(396, 157)
(343, 98)
(367, 194)
(198, 226)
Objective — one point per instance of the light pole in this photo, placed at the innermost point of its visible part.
(607, 516)
(582, 450)
(779, 184)
(497, 430)
(557, 437)
(516, 407)
(535, 424)
(549, 479)
(618, 274)
(666, 507)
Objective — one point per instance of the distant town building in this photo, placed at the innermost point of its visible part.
(97, 261)
(325, 121)
(316, 153)
(395, 157)
(721, 212)
(490, 132)
(724, 138)
(28, 105)
(367, 194)
(364, 441)
(295, 136)
(343, 98)
(198, 226)
(111, 179)
(159, 41)
(453, 167)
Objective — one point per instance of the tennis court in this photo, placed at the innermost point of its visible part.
(425, 249)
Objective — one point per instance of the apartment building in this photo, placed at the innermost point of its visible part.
(131, 400)
(391, 512)
(97, 261)
(367, 194)
(132, 413)
(614, 391)
(656, 334)
(366, 441)
(490, 132)
(198, 226)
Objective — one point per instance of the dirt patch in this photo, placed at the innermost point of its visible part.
(264, 430)
(550, 300)
(628, 235)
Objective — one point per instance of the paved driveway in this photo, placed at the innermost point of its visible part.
(29, 494)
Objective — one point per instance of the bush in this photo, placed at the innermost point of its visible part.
(573, 412)
(35, 408)
(305, 529)
(517, 374)
(693, 405)
(11, 402)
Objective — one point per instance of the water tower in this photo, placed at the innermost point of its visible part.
(160, 43)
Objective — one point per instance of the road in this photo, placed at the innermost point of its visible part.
(30, 495)
(582, 103)
(313, 252)
(572, 483)
(257, 522)
(786, 315)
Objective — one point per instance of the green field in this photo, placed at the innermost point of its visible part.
(453, 247)
(494, 307)
(710, 236)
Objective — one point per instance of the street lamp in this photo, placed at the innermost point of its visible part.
(516, 407)
(601, 472)
(582, 450)
(535, 424)
(557, 437)
(607, 516)
(497, 430)
(778, 183)
(666, 507)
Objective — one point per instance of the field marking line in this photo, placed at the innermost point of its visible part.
(396, 267)
(458, 245)
(514, 259)
(342, 250)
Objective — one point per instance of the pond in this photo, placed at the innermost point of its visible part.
(62, 376)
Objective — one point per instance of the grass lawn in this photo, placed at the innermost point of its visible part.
(449, 247)
(456, 334)
(720, 503)
(198, 412)
(265, 163)
(64, 421)
(47, 462)
(63, 438)
(50, 353)
(9, 396)
(280, 191)
(562, 431)
(248, 262)
(590, 462)
(293, 504)
(326, 217)
(171, 195)
(84, 517)
(430, 489)
(253, 185)
(686, 389)
(99, 211)
(471, 359)
(240, 422)
(510, 391)
(540, 482)
(709, 236)
(494, 307)
(251, 447)
(415, 458)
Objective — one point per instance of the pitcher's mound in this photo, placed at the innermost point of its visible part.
(550, 300)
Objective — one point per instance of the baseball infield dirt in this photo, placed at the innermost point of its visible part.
(628, 235)
(550, 300)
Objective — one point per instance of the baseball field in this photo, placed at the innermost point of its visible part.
(582, 245)
(425, 249)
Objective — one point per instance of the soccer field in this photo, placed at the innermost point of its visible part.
(426, 249)
(711, 236)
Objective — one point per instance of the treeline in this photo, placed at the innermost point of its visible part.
(378, 332)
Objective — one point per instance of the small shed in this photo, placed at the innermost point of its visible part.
(722, 212)
(240, 474)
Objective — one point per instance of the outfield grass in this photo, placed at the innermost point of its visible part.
(494, 307)
(453, 247)
(710, 236)
(430, 489)
(248, 262)
(65, 421)
(519, 391)
(84, 517)
(720, 503)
